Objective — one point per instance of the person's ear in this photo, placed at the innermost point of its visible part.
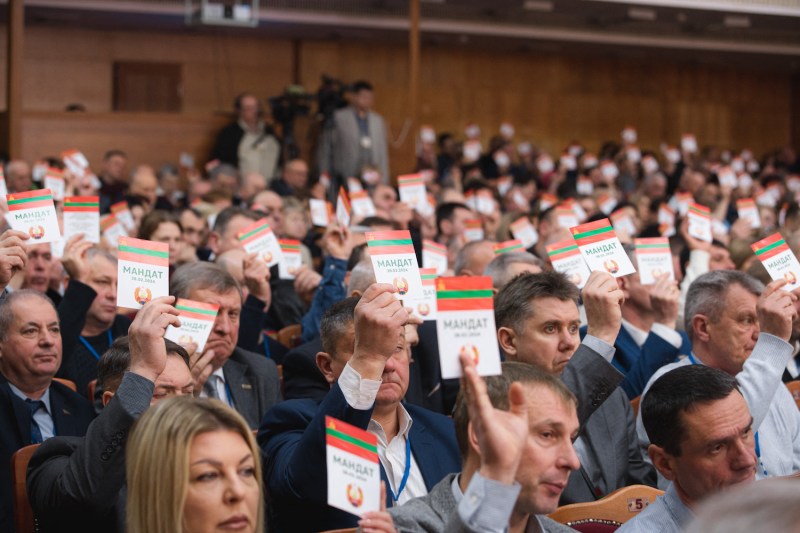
(624, 285)
(663, 461)
(700, 325)
(213, 241)
(473, 439)
(507, 338)
(325, 365)
(107, 395)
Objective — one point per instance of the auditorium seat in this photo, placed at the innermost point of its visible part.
(23, 514)
(609, 513)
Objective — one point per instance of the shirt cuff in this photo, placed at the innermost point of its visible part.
(600, 346)
(668, 334)
(360, 393)
(487, 504)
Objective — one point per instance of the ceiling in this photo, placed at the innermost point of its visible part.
(757, 33)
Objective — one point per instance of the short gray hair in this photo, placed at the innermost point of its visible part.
(361, 277)
(7, 313)
(97, 251)
(499, 266)
(201, 275)
(707, 294)
(464, 255)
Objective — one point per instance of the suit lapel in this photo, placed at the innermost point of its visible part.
(22, 413)
(63, 415)
(241, 389)
(423, 448)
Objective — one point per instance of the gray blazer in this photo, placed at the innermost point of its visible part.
(437, 512)
(253, 383)
(346, 144)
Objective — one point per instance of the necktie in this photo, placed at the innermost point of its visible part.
(210, 387)
(36, 433)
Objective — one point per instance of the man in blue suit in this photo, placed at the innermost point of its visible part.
(366, 360)
(32, 406)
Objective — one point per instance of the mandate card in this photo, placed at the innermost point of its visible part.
(426, 307)
(112, 230)
(623, 222)
(362, 204)
(292, 260)
(123, 214)
(34, 213)
(778, 259)
(142, 270)
(700, 222)
(514, 245)
(523, 230)
(354, 472)
(747, 209)
(343, 208)
(320, 212)
(395, 262)
(82, 215)
(601, 248)
(3, 188)
(197, 321)
(473, 229)
(258, 238)
(653, 258)
(566, 217)
(412, 192)
(54, 180)
(567, 259)
(465, 324)
(434, 255)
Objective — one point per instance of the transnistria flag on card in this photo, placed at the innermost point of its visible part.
(606, 203)
(395, 262)
(547, 200)
(601, 248)
(514, 245)
(623, 222)
(700, 222)
(434, 255)
(111, 229)
(746, 207)
(523, 230)
(82, 215)
(343, 209)
(653, 258)
(567, 259)
(75, 161)
(3, 188)
(426, 307)
(362, 204)
(258, 238)
(321, 212)
(465, 324)
(473, 229)
(33, 212)
(197, 321)
(412, 191)
(566, 217)
(353, 467)
(123, 214)
(778, 259)
(292, 258)
(142, 270)
(54, 180)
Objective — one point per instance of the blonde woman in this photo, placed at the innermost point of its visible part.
(193, 466)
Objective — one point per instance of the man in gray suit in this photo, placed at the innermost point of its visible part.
(537, 319)
(244, 380)
(358, 138)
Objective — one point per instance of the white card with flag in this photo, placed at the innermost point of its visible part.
(523, 230)
(601, 248)
(353, 468)
(111, 229)
(653, 259)
(567, 259)
(395, 262)
(54, 180)
(197, 321)
(779, 260)
(320, 212)
(258, 238)
(82, 215)
(142, 271)
(700, 222)
(413, 192)
(465, 325)
(434, 255)
(292, 258)
(426, 307)
(123, 214)
(3, 188)
(362, 204)
(746, 207)
(343, 208)
(33, 212)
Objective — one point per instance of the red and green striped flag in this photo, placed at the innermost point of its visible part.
(514, 245)
(196, 310)
(254, 232)
(389, 242)
(592, 232)
(289, 246)
(562, 250)
(655, 245)
(30, 200)
(351, 439)
(428, 276)
(81, 204)
(434, 247)
(770, 247)
(409, 180)
(464, 293)
(142, 251)
(699, 210)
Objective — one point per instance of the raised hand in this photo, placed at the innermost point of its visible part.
(13, 254)
(776, 310)
(665, 300)
(380, 321)
(146, 337)
(378, 521)
(603, 299)
(74, 258)
(256, 277)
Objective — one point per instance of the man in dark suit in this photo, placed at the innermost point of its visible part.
(417, 447)
(246, 381)
(32, 406)
(537, 319)
(78, 484)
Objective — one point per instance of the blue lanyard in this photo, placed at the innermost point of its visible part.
(758, 448)
(405, 474)
(266, 346)
(91, 348)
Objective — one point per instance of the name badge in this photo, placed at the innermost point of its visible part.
(366, 142)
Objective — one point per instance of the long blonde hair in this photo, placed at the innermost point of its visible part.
(157, 460)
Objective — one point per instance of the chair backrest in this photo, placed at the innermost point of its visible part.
(794, 388)
(346, 530)
(67, 383)
(290, 336)
(90, 388)
(23, 514)
(610, 512)
(635, 405)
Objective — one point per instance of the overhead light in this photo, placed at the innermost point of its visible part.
(641, 13)
(736, 21)
(545, 6)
